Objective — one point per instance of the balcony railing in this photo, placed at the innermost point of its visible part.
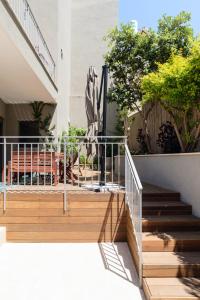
(26, 19)
(45, 163)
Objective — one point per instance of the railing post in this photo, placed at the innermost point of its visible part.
(140, 241)
(4, 176)
(65, 176)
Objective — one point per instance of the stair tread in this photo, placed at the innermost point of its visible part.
(172, 288)
(171, 218)
(165, 204)
(166, 259)
(149, 189)
(177, 235)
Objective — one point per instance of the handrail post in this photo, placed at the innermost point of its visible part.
(140, 241)
(65, 176)
(4, 177)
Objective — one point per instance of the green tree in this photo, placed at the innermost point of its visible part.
(175, 36)
(176, 86)
(132, 55)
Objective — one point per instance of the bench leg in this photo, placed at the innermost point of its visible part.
(9, 175)
(55, 179)
(2, 175)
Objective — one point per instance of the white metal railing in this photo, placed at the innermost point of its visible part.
(47, 163)
(25, 17)
(134, 201)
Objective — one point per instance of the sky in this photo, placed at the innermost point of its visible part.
(147, 12)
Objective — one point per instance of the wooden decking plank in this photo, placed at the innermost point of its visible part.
(172, 288)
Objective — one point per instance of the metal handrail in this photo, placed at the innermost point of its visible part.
(65, 136)
(138, 182)
(134, 201)
(25, 16)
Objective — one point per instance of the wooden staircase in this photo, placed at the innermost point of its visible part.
(171, 247)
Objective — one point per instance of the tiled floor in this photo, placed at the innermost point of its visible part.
(67, 271)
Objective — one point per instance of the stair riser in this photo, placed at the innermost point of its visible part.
(171, 246)
(160, 200)
(166, 212)
(172, 271)
(157, 227)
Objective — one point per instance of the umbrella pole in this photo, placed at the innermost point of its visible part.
(104, 128)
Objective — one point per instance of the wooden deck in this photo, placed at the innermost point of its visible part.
(40, 217)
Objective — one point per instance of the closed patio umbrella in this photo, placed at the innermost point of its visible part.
(91, 99)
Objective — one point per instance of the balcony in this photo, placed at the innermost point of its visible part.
(28, 70)
(26, 21)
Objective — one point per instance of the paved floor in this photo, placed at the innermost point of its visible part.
(67, 271)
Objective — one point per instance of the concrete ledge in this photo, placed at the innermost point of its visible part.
(2, 235)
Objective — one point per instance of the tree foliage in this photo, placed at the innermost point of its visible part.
(175, 35)
(132, 55)
(176, 86)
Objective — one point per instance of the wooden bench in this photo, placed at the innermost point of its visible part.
(24, 162)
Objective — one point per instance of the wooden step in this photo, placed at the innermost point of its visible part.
(104, 236)
(166, 208)
(171, 264)
(64, 228)
(161, 197)
(62, 220)
(171, 241)
(170, 223)
(32, 204)
(59, 212)
(83, 196)
(172, 288)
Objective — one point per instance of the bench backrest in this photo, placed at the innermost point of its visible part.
(33, 158)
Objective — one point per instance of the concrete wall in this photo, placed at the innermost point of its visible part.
(91, 21)
(76, 28)
(179, 172)
(64, 65)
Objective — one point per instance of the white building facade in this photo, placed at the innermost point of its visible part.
(46, 50)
